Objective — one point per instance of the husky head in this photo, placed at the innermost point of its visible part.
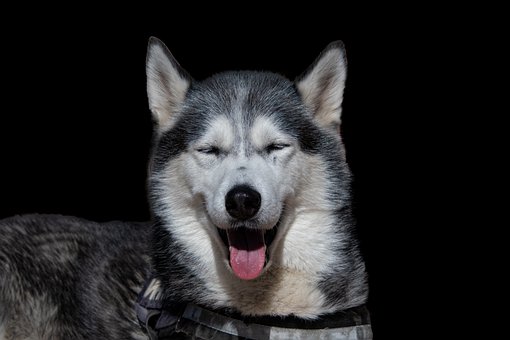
(249, 183)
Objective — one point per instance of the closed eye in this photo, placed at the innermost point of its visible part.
(209, 150)
(276, 146)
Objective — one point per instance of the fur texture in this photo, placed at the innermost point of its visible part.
(270, 143)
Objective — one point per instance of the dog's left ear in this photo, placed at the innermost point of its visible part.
(322, 85)
(167, 84)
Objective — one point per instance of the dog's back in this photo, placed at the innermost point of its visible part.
(57, 275)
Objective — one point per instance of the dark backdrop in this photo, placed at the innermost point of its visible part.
(75, 128)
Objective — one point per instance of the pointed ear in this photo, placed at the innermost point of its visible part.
(322, 85)
(167, 84)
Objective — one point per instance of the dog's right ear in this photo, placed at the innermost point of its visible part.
(322, 85)
(167, 84)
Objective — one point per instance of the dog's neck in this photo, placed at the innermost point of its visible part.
(279, 291)
(161, 318)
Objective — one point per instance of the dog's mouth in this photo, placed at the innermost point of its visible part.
(247, 248)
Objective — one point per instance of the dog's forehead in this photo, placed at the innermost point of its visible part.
(225, 132)
(244, 95)
(241, 102)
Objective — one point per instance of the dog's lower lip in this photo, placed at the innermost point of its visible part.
(223, 235)
(269, 235)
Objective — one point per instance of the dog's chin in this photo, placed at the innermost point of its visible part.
(247, 249)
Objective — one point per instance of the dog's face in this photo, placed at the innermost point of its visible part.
(243, 161)
(244, 168)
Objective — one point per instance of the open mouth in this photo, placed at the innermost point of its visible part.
(248, 249)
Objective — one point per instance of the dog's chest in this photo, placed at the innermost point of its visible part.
(277, 293)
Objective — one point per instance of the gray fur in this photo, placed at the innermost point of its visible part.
(68, 278)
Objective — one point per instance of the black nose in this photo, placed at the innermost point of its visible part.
(242, 202)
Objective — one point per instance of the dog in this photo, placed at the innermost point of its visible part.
(252, 233)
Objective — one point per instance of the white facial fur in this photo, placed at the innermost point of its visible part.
(293, 186)
(242, 161)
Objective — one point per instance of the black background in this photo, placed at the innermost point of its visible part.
(75, 128)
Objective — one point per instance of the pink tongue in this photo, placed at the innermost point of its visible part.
(247, 252)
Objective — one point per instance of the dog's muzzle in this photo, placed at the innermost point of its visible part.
(247, 245)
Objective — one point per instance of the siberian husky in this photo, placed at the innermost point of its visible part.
(252, 234)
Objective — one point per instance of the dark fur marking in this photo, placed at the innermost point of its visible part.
(171, 262)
